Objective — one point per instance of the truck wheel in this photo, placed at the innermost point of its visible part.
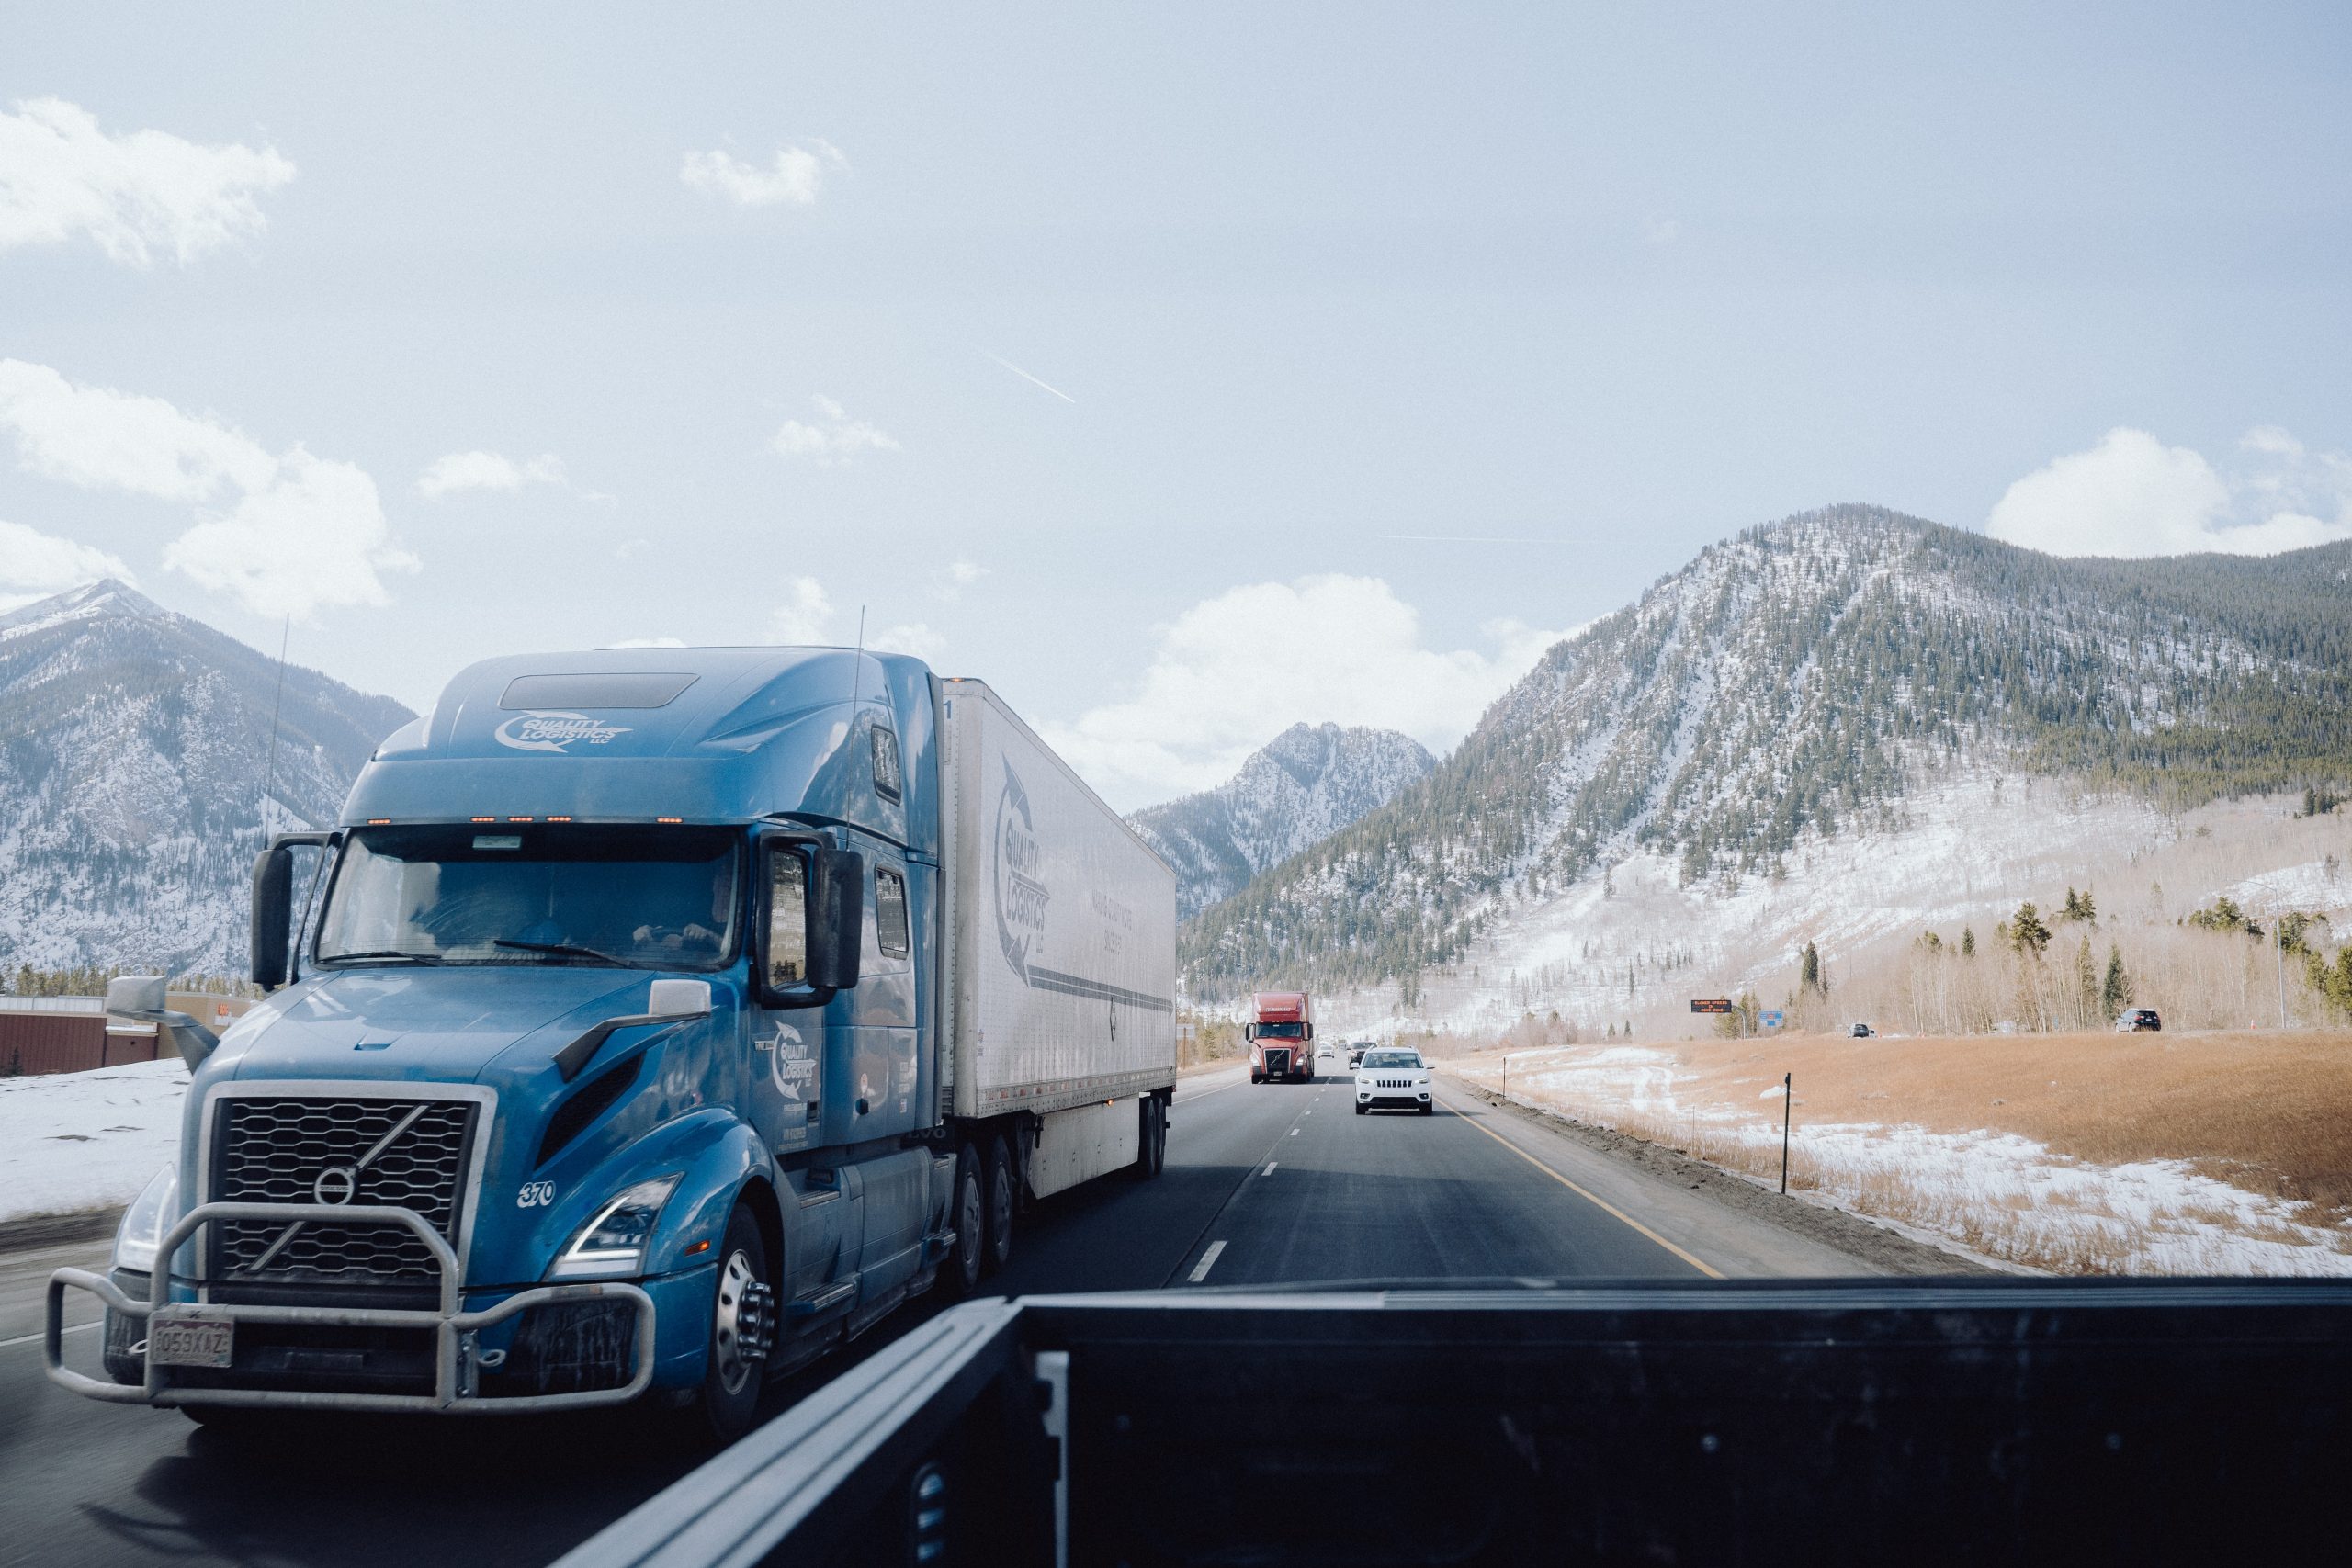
(1151, 1150)
(743, 1330)
(1000, 1195)
(960, 1271)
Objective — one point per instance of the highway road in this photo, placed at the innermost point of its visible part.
(1264, 1184)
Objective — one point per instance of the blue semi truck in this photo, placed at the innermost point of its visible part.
(652, 1021)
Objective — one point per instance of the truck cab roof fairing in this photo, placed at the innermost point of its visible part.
(756, 732)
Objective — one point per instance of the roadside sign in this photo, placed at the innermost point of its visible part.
(1711, 1004)
(1771, 1018)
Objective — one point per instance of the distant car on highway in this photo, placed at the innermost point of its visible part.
(1356, 1051)
(1392, 1078)
(1861, 1031)
(2137, 1020)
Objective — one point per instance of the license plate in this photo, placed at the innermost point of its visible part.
(190, 1339)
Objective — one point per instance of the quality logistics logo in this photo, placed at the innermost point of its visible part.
(1021, 898)
(556, 732)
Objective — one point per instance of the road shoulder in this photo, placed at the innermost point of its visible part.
(1741, 1228)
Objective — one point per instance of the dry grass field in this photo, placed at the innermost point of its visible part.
(2224, 1152)
(2268, 1112)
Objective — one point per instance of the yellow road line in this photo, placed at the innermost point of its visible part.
(1600, 1203)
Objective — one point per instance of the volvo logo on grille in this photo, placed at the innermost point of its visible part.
(339, 1185)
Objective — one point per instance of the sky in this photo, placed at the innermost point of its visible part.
(1185, 372)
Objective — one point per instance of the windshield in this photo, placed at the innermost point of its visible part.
(644, 897)
(1280, 1031)
(1391, 1059)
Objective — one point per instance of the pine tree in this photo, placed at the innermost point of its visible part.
(1968, 942)
(2026, 931)
(2087, 988)
(2115, 993)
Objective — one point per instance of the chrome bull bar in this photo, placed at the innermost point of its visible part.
(455, 1362)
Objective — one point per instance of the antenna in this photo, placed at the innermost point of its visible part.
(269, 776)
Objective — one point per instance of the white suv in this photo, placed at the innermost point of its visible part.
(1391, 1078)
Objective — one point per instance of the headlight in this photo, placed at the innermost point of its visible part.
(614, 1242)
(144, 1223)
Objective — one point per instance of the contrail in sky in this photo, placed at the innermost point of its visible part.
(1009, 365)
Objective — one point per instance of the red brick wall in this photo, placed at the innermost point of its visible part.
(67, 1043)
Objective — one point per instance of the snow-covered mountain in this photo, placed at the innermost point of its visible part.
(1305, 785)
(135, 748)
(1798, 684)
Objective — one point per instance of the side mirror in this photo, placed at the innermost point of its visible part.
(837, 918)
(1250, 1032)
(273, 915)
(813, 905)
(135, 996)
(143, 997)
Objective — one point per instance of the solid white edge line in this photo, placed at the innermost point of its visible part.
(1208, 1262)
(35, 1339)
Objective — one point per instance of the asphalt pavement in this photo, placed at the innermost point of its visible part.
(1264, 1184)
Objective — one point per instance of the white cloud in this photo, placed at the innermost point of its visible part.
(315, 537)
(805, 614)
(34, 565)
(2132, 496)
(301, 533)
(487, 470)
(835, 439)
(914, 637)
(102, 439)
(793, 177)
(133, 194)
(1232, 672)
(949, 581)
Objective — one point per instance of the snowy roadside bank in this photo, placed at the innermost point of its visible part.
(70, 1143)
(1995, 1191)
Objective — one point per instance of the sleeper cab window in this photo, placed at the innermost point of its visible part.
(886, 762)
(890, 913)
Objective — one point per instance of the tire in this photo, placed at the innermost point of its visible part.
(1429, 1108)
(1001, 1200)
(1257, 1077)
(1362, 1107)
(959, 1271)
(743, 1321)
(1151, 1153)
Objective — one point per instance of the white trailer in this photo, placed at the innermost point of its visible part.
(1060, 967)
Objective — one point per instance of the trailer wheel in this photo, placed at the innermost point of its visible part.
(968, 1215)
(1151, 1149)
(1001, 1196)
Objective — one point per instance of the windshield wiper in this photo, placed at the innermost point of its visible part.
(563, 950)
(388, 953)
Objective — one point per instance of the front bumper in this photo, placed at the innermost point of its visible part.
(457, 1361)
(1373, 1099)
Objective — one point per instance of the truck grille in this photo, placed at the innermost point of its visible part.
(409, 1153)
(1392, 1083)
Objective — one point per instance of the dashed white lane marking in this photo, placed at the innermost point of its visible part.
(1270, 1168)
(1208, 1262)
(1293, 1132)
(29, 1338)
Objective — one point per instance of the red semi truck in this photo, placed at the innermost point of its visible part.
(1282, 1038)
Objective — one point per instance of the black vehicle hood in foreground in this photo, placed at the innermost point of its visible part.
(1778, 1421)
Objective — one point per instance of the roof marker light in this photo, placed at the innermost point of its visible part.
(485, 819)
(669, 820)
(379, 821)
(518, 819)
(559, 818)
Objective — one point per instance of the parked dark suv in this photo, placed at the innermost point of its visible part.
(2137, 1020)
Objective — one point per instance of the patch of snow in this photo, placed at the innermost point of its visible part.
(71, 1141)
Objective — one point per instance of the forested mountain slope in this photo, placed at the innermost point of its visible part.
(1300, 788)
(1793, 679)
(134, 749)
